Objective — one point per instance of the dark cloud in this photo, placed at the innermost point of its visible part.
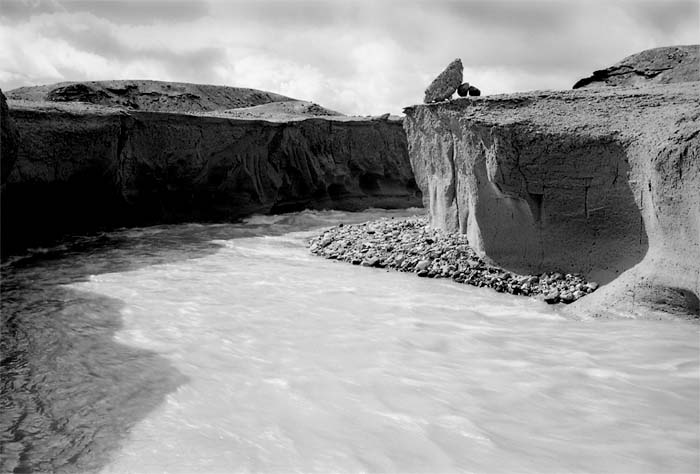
(136, 12)
(94, 38)
(512, 14)
(22, 10)
(666, 17)
(285, 13)
(132, 12)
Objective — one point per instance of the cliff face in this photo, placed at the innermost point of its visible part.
(81, 167)
(605, 182)
(8, 140)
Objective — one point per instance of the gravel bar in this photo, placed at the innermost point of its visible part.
(411, 245)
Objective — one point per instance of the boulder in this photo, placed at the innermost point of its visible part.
(473, 91)
(463, 90)
(445, 84)
(664, 65)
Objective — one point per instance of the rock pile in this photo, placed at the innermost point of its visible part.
(410, 245)
(445, 84)
(467, 89)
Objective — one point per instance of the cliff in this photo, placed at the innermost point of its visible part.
(8, 140)
(665, 65)
(83, 167)
(605, 182)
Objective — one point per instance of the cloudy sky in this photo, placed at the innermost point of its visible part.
(361, 57)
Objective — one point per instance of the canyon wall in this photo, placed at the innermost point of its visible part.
(82, 167)
(604, 182)
(8, 140)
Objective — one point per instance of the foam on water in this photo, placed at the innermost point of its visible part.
(291, 363)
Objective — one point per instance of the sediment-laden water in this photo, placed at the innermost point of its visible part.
(230, 348)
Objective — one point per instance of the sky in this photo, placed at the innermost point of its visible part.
(355, 56)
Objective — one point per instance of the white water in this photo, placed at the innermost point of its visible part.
(297, 364)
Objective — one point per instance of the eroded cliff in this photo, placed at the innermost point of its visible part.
(605, 182)
(81, 167)
(8, 140)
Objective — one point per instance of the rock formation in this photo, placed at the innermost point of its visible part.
(664, 65)
(82, 167)
(473, 91)
(463, 90)
(8, 140)
(603, 182)
(445, 84)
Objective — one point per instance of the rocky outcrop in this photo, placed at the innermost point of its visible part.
(8, 140)
(155, 96)
(664, 65)
(445, 84)
(82, 167)
(603, 182)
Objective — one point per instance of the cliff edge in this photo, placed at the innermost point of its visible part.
(603, 181)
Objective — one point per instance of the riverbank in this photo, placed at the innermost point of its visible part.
(411, 245)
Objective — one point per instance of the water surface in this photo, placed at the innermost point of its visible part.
(229, 348)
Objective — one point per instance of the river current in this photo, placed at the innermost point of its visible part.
(230, 348)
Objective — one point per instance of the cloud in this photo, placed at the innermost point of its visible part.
(118, 11)
(363, 57)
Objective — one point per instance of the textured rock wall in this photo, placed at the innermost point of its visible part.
(82, 168)
(8, 140)
(601, 182)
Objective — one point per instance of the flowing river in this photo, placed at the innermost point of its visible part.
(230, 348)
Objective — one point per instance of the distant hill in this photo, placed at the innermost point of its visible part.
(155, 96)
(654, 66)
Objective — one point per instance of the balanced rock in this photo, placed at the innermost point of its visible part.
(473, 91)
(463, 90)
(445, 84)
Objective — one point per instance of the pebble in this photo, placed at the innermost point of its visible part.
(411, 245)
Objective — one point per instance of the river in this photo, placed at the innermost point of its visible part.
(230, 348)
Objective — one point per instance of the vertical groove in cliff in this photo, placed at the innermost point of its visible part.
(125, 123)
(455, 182)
